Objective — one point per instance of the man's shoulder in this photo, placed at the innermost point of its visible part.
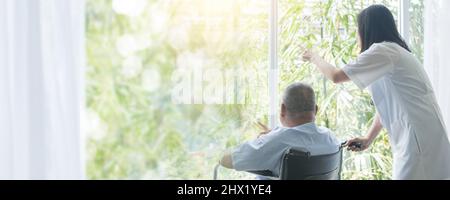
(322, 129)
(312, 128)
(305, 129)
(326, 131)
(321, 133)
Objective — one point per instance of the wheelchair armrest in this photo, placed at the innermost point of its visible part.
(266, 173)
(263, 173)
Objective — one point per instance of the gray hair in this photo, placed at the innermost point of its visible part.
(299, 98)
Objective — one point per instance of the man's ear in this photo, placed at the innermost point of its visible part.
(317, 109)
(283, 110)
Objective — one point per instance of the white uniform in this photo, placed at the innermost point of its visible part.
(404, 98)
(265, 153)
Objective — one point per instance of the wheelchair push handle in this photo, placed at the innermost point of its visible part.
(356, 145)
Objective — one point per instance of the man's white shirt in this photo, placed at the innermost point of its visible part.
(265, 153)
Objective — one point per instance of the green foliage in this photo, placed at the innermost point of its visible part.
(135, 130)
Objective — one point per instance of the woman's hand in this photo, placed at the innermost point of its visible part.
(358, 144)
(331, 72)
(309, 56)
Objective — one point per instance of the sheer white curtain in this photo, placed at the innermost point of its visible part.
(41, 58)
(437, 51)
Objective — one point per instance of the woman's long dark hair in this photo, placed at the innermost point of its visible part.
(376, 24)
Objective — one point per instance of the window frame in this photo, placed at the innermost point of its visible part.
(273, 64)
(404, 19)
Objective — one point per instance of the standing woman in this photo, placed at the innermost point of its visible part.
(402, 93)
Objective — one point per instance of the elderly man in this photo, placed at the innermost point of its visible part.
(298, 115)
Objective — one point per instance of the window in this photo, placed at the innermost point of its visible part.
(171, 84)
(331, 26)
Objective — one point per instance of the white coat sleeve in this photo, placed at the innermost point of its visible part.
(370, 66)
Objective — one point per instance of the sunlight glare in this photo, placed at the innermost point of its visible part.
(132, 8)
